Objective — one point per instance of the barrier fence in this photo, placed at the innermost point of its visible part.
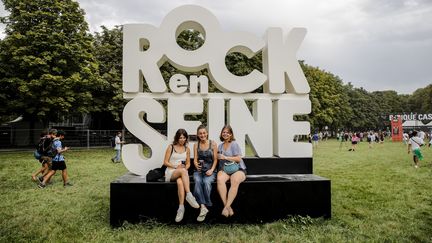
(12, 138)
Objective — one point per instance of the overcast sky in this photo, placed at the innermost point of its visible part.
(374, 44)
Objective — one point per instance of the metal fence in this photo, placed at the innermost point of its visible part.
(12, 138)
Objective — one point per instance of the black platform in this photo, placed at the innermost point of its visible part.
(274, 189)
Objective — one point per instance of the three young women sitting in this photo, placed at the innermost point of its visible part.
(207, 158)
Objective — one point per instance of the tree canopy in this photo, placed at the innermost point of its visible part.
(47, 68)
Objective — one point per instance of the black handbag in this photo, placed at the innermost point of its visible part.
(155, 175)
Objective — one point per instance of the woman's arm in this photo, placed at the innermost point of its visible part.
(210, 171)
(215, 153)
(195, 161)
(187, 158)
(167, 157)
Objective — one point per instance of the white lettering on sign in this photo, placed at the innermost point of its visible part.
(269, 128)
(411, 117)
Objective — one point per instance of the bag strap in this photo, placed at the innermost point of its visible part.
(172, 150)
(415, 141)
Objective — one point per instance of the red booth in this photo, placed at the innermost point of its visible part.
(396, 129)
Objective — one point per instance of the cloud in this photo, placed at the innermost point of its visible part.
(375, 44)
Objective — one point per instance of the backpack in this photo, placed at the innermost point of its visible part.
(112, 142)
(157, 174)
(44, 146)
(37, 155)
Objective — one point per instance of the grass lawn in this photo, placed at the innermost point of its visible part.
(377, 196)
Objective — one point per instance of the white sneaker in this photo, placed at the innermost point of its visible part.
(179, 216)
(192, 201)
(203, 214)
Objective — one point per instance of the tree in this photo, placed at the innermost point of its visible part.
(330, 105)
(365, 110)
(108, 53)
(47, 68)
(421, 100)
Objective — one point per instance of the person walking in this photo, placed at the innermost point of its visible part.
(117, 148)
(44, 149)
(414, 144)
(354, 141)
(58, 162)
(315, 139)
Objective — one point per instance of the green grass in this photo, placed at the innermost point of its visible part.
(377, 196)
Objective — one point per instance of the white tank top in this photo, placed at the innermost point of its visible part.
(176, 158)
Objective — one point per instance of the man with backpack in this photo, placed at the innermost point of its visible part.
(43, 152)
(58, 161)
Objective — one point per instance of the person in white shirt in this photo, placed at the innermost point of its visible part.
(414, 144)
(117, 148)
(421, 135)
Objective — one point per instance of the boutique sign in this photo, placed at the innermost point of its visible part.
(412, 117)
(268, 127)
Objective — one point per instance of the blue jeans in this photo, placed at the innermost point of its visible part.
(117, 157)
(203, 187)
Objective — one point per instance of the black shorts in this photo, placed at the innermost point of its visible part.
(58, 165)
(354, 142)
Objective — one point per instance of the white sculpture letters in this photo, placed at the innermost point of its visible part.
(269, 128)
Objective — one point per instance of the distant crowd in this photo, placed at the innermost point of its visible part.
(413, 139)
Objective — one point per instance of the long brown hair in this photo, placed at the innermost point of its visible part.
(180, 132)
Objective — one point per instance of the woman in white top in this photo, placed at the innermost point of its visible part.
(177, 161)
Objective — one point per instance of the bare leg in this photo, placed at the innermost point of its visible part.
(416, 161)
(65, 176)
(183, 174)
(222, 178)
(180, 191)
(236, 179)
(37, 173)
(48, 176)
